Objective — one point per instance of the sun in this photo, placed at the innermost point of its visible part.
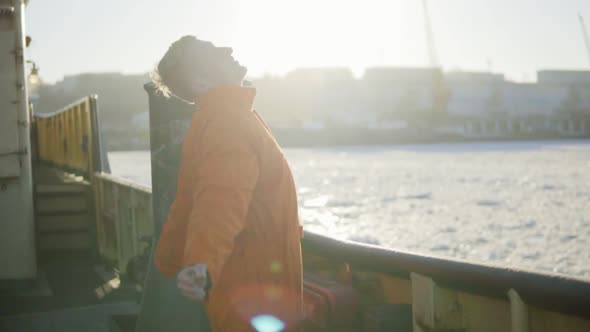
(277, 36)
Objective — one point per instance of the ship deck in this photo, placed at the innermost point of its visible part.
(74, 290)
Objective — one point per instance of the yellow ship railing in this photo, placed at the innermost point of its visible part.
(68, 138)
(124, 225)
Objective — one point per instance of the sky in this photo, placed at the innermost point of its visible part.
(514, 37)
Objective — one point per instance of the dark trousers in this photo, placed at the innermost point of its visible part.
(163, 308)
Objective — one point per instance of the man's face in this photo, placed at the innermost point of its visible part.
(197, 62)
(215, 64)
(229, 65)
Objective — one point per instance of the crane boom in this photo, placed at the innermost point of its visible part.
(585, 35)
(429, 36)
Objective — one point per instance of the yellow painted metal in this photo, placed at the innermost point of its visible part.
(437, 308)
(123, 218)
(64, 138)
(519, 313)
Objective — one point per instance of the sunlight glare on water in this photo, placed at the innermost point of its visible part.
(488, 202)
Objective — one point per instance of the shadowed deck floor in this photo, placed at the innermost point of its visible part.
(72, 293)
(74, 290)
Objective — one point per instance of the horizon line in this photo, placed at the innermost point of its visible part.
(283, 75)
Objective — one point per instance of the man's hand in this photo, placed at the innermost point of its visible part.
(192, 282)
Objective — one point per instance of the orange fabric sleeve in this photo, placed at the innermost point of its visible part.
(225, 175)
(168, 247)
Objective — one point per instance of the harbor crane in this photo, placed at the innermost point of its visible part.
(439, 92)
(585, 35)
(432, 54)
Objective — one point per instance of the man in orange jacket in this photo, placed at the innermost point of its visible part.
(232, 237)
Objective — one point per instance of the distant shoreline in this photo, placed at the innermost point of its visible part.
(288, 141)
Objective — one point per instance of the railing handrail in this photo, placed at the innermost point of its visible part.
(76, 144)
(555, 292)
(123, 182)
(123, 219)
(65, 108)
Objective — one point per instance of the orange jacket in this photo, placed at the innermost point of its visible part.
(236, 211)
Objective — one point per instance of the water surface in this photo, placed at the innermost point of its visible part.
(521, 204)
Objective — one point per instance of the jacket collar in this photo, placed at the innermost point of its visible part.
(228, 97)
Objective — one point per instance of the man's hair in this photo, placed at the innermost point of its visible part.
(161, 87)
(168, 65)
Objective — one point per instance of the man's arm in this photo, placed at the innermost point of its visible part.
(225, 176)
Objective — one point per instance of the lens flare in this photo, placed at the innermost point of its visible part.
(276, 267)
(267, 323)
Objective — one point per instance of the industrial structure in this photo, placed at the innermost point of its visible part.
(17, 236)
